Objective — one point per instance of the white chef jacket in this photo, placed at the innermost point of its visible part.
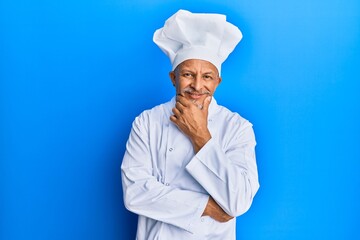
(168, 185)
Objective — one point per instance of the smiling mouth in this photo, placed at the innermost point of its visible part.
(195, 95)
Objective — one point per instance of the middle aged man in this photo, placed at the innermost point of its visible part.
(189, 167)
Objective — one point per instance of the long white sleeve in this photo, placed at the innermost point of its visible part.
(228, 170)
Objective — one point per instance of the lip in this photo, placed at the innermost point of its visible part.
(194, 95)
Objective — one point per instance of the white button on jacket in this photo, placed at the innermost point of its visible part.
(168, 185)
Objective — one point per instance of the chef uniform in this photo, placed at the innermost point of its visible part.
(164, 181)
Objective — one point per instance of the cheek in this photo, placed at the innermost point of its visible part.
(179, 86)
(211, 87)
(182, 83)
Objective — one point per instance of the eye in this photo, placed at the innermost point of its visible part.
(207, 77)
(187, 75)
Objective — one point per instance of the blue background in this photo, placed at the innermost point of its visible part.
(74, 74)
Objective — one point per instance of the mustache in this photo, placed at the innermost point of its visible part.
(190, 90)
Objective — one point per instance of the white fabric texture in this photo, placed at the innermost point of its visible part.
(204, 36)
(168, 185)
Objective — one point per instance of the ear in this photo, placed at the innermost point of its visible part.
(219, 80)
(172, 77)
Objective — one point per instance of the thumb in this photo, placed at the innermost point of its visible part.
(207, 102)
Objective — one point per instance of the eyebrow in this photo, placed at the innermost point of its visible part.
(211, 72)
(188, 70)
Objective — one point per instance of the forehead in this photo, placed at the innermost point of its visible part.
(197, 65)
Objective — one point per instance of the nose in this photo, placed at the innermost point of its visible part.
(197, 83)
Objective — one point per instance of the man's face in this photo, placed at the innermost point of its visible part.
(195, 79)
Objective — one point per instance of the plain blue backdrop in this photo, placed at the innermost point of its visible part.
(74, 75)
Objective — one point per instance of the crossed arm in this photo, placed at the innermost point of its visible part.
(225, 176)
(192, 121)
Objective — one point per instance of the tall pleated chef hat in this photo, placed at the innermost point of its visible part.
(203, 36)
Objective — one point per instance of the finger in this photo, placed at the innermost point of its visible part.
(173, 118)
(179, 107)
(176, 112)
(181, 99)
(207, 102)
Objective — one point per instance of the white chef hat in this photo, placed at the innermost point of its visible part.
(187, 35)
